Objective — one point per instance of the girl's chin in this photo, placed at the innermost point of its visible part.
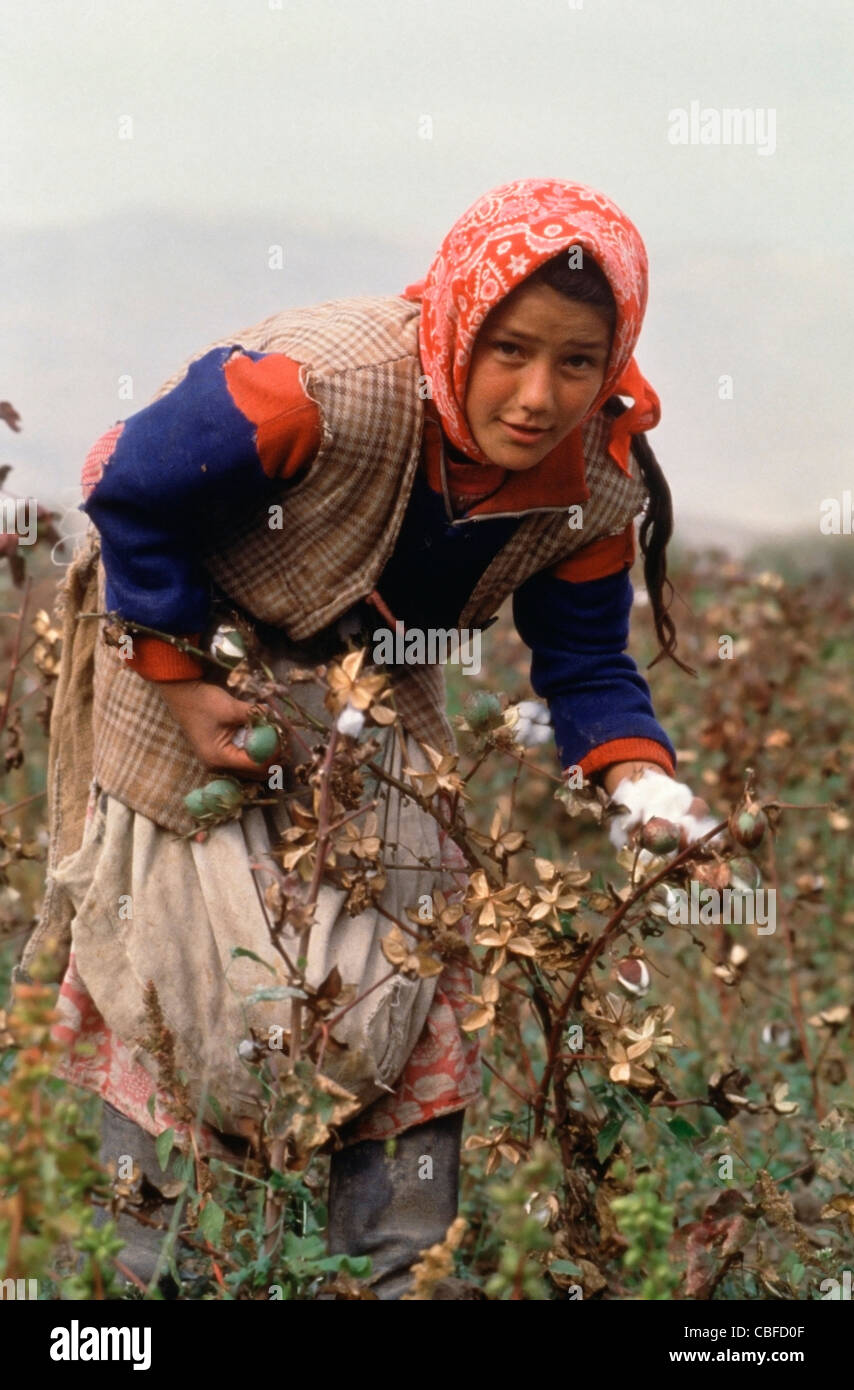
(515, 460)
(515, 466)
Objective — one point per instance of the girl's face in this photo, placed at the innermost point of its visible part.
(538, 364)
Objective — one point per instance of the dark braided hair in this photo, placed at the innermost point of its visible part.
(589, 284)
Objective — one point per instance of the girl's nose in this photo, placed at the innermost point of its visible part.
(536, 390)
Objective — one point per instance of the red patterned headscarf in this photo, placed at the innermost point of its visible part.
(503, 238)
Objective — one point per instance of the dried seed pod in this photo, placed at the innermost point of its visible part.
(660, 836)
(776, 1034)
(228, 645)
(747, 825)
(748, 822)
(633, 975)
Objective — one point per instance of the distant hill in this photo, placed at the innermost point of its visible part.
(736, 539)
(796, 555)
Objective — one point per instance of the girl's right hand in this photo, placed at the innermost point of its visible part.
(210, 717)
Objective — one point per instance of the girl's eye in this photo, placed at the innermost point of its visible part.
(580, 361)
(505, 346)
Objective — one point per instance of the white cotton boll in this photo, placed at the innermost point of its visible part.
(618, 831)
(228, 644)
(534, 711)
(666, 798)
(528, 709)
(351, 721)
(653, 794)
(522, 731)
(540, 733)
(696, 828)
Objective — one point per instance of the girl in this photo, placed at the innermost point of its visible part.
(416, 459)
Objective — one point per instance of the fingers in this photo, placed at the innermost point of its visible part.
(240, 765)
(217, 726)
(214, 746)
(234, 759)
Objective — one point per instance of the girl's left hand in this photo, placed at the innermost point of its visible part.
(654, 795)
(210, 717)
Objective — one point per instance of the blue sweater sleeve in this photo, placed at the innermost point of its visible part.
(178, 465)
(578, 633)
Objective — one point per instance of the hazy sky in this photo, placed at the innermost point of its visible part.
(301, 124)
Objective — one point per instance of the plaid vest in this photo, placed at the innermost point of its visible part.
(360, 364)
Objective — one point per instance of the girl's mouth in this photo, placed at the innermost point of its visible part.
(523, 434)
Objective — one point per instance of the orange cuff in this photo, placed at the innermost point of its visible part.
(156, 660)
(624, 750)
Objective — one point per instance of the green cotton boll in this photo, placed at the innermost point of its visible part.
(196, 803)
(221, 795)
(483, 711)
(262, 742)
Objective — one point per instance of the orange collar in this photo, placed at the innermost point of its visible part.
(555, 483)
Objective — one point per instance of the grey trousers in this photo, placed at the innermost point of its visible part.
(121, 1138)
(393, 1207)
(388, 1207)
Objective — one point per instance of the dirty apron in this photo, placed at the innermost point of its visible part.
(150, 906)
